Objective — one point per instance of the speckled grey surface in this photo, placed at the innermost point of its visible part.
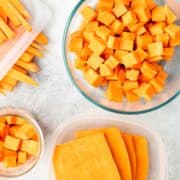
(56, 99)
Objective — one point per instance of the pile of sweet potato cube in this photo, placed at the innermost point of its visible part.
(121, 45)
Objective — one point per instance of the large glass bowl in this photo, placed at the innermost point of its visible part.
(96, 95)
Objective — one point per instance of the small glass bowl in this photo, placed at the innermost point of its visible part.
(96, 95)
(33, 161)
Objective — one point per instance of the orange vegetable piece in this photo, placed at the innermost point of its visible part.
(117, 27)
(105, 70)
(132, 74)
(117, 146)
(173, 30)
(88, 13)
(95, 61)
(128, 139)
(114, 91)
(22, 157)
(155, 49)
(142, 55)
(3, 130)
(10, 161)
(130, 59)
(11, 143)
(113, 42)
(164, 38)
(105, 17)
(128, 35)
(119, 10)
(142, 157)
(143, 14)
(131, 97)
(157, 84)
(129, 18)
(42, 39)
(112, 62)
(104, 5)
(147, 91)
(171, 17)
(168, 52)
(76, 45)
(158, 14)
(126, 44)
(129, 85)
(103, 32)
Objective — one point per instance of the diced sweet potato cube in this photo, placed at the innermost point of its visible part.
(158, 14)
(3, 130)
(157, 84)
(97, 46)
(162, 76)
(10, 161)
(164, 38)
(22, 157)
(25, 131)
(7, 152)
(103, 32)
(92, 26)
(76, 45)
(114, 92)
(93, 77)
(85, 53)
(173, 30)
(88, 13)
(138, 4)
(130, 59)
(154, 58)
(11, 119)
(128, 35)
(113, 42)
(112, 62)
(143, 41)
(121, 76)
(157, 29)
(119, 54)
(126, 44)
(119, 10)
(148, 70)
(88, 36)
(175, 41)
(131, 97)
(141, 31)
(142, 55)
(105, 5)
(171, 17)
(132, 74)
(129, 85)
(151, 4)
(147, 91)
(168, 52)
(105, 17)
(95, 61)
(117, 27)
(30, 146)
(129, 18)
(105, 70)
(79, 63)
(143, 14)
(42, 38)
(134, 27)
(11, 143)
(155, 49)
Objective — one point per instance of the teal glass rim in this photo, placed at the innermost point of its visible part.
(82, 92)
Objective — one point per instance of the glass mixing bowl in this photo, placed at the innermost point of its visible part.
(96, 95)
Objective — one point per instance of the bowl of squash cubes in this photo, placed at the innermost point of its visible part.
(123, 55)
(21, 142)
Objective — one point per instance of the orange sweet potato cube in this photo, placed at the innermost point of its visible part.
(147, 91)
(173, 30)
(113, 42)
(93, 77)
(148, 70)
(11, 119)
(112, 62)
(10, 161)
(105, 70)
(136, 4)
(142, 55)
(79, 63)
(143, 41)
(175, 41)
(3, 130)
(168, 52)
(129, 85)
(141, 31)
(151, 4)
(119, 54)
(134, 27)
(104, 5)
(117, 27)
(132, 74)
(119, 10)
(76, 45)
(88, 13)
(12, 143)
(105, 17)
(171, 17)
(143, 14)
(30, 146)
(162, 76)
(128, 35)
(158, 14)
(157, 84)
(107, 53)
(130, 59)
(164, 38)
(85, 53)
(89, 36)
(22, 157)
(157, 28)
(155, 49)
(154, 58)
(114, 92)
(103, 32)
(129, 18)
(126, 44)
(131, 97)
(97, 46)
(95, 61)
(92, 26)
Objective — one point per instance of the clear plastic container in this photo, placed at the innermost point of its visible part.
(33, 161)
(11, 50)
(158, 163)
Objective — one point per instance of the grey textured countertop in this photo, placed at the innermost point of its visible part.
(56, 99)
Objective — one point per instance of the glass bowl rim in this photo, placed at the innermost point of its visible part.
(67, 25)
